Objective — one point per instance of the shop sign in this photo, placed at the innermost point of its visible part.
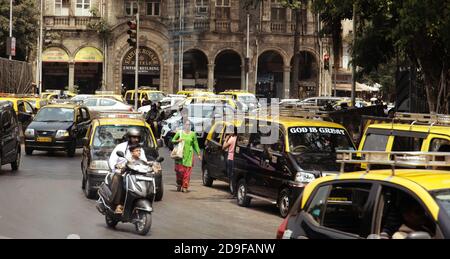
(148, 62)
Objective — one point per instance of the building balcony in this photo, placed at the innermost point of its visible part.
(69, 22)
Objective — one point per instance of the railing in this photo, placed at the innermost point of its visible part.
(223, 26)
(278, 27)
(201, 25)
(69, 22)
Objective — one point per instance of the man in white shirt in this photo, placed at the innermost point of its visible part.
(134, 137)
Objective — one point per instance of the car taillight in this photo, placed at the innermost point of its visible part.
(282, 228)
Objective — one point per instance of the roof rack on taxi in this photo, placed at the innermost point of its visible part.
(434, 119)
(393, 159)
(119, 115)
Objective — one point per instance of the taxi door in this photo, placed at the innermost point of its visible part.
(83, 121)
(276, 172)
(8, 137)
(214, 153)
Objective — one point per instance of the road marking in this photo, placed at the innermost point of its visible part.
(73, 236)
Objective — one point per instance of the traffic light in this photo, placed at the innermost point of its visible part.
(132, 33)
(326, 61)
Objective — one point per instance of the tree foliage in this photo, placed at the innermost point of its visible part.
(25, 26)
(416, 29)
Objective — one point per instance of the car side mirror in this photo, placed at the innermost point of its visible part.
(160, 159)
(160, 143)
(418, 235)
(120, 154)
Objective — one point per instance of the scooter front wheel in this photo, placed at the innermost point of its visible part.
(144, 222)
(111, 222)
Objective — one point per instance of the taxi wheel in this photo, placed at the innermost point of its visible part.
(206, 179)
(242, 198)
(28, 151)
(88, 191)
(15, 165)
(284, 203)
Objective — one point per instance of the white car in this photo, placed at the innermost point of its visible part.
(106, 104)
(166, 102)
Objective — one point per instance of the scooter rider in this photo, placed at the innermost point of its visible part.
(134, 137)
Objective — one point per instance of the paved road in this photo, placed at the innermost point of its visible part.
(44, 200)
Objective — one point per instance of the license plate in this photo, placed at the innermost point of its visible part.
(144, 178)
(43, 139)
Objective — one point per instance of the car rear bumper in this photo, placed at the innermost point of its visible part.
(96, 177)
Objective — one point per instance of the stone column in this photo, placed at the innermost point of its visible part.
(286, 81)
(243, 77)
(71, 75)
(211, 77)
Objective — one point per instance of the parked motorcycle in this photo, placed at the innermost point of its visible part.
(139, 183)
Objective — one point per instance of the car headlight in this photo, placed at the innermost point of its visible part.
(29, 133)
(62, 134)
(99, 165)
(303, 177)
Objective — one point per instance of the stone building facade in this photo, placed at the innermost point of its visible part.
(185, 44)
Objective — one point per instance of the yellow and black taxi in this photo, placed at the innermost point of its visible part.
(57, 127)
(108, 130)
(408, 132)
(10, 150)
(395, 203)
(144, 93)
(23, 108)
(275, 157)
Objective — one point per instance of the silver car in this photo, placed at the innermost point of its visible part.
(106, 104)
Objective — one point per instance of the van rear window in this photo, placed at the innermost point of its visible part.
(375, 142)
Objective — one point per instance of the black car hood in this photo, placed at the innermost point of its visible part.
(50, 126)
(322, 162)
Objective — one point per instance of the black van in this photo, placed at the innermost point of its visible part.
(10, 149)
(275, 159)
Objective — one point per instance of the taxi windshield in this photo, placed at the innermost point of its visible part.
(442, 197)
(110, 136)
(55, 114)
(318, 140)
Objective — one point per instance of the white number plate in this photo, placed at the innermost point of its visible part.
(144, 178)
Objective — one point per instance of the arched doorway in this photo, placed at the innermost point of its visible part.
(149, 69)
(308, 75)
(88, 70)
(55, 69)
(195, 69)
(270, 75)
(227, 71)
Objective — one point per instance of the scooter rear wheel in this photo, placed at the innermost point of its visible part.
(112, 223)
(144, 224)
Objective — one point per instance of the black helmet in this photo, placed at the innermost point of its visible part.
(133, 132)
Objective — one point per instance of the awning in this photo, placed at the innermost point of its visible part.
(359, 88)
(55, 54)
(89, 55)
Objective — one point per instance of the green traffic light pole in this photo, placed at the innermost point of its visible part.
(136, 74)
